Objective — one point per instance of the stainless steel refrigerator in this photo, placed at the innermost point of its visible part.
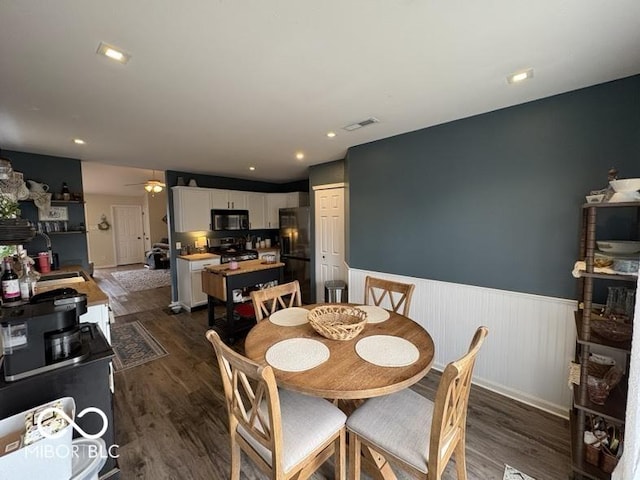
(295, 247)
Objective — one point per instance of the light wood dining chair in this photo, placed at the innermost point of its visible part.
(410, 431)
(376, 289)
(268, 300)
(284, 433)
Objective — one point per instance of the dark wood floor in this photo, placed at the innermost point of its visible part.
(171, 421)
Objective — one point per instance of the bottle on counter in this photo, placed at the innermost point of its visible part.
(27, 281)
(10, 284)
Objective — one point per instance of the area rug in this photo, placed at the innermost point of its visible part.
(143, 279)
(511, 473)
(134, 345)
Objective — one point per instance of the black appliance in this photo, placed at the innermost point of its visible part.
(295, 245)
(43, 335)
(222, 220)
(234, 254)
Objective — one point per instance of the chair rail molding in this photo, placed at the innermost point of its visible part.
(532, 338)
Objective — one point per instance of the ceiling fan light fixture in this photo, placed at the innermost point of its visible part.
(153, 186)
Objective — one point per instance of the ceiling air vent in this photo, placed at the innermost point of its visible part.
(363, 123)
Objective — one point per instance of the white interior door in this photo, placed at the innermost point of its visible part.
(329, 221)
(128, 233)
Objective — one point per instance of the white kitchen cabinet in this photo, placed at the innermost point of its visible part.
(237, 200)
(275, 201)
(256, 204)
(189, 273)
(228, 199)
(100, 315)
(191, 208)
(219, 199)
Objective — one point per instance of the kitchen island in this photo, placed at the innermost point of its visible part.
(219, 282)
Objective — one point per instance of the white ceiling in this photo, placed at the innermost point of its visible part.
(218, 86)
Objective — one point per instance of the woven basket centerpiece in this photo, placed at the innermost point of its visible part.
(337, 322)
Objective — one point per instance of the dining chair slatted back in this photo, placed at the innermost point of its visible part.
(399, 294)
(258, 417)
(448, 427)
(386, 425)
(269, 300)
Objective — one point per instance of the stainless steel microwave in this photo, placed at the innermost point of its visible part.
(229, 219)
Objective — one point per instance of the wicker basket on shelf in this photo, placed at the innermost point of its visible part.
(592, 453)
(608, 460)
(599, 388)
(599, 365)
(337, 322)
(613, 330)
(610, 450)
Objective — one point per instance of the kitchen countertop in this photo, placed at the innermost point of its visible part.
(246, 266)
(198, 256)
(95, 296)
(268, 249)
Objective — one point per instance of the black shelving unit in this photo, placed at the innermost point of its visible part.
(69, 243)
(613, 411)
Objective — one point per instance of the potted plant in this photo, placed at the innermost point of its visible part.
(9, 208)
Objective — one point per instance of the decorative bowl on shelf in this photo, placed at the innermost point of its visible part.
(625, 185)
(618, 246)
(626, 190)
(595, 198)
(337, 322)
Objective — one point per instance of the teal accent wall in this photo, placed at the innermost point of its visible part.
(492, 200)
(71, 248)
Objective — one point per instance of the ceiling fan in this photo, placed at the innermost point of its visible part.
(151, 186)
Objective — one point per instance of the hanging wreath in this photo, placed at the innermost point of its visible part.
(103, 225)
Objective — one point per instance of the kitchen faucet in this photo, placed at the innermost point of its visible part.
(48, 240)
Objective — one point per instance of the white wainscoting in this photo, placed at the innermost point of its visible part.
(530, 344)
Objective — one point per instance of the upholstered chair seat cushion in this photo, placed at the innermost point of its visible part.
(307, 422)
(398, 423)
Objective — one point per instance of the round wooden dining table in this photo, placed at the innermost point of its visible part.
(345, 375)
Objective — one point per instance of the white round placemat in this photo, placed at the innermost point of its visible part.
(387, 351)
(297, 354)
(290, 317)
(374, 314)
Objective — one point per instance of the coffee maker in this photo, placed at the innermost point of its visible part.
(44, 334)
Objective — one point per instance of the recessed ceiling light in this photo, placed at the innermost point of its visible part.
(252, 168)
(113, 53)
(79, 141)
(331, 134)
(300, 155)
(520, 76)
